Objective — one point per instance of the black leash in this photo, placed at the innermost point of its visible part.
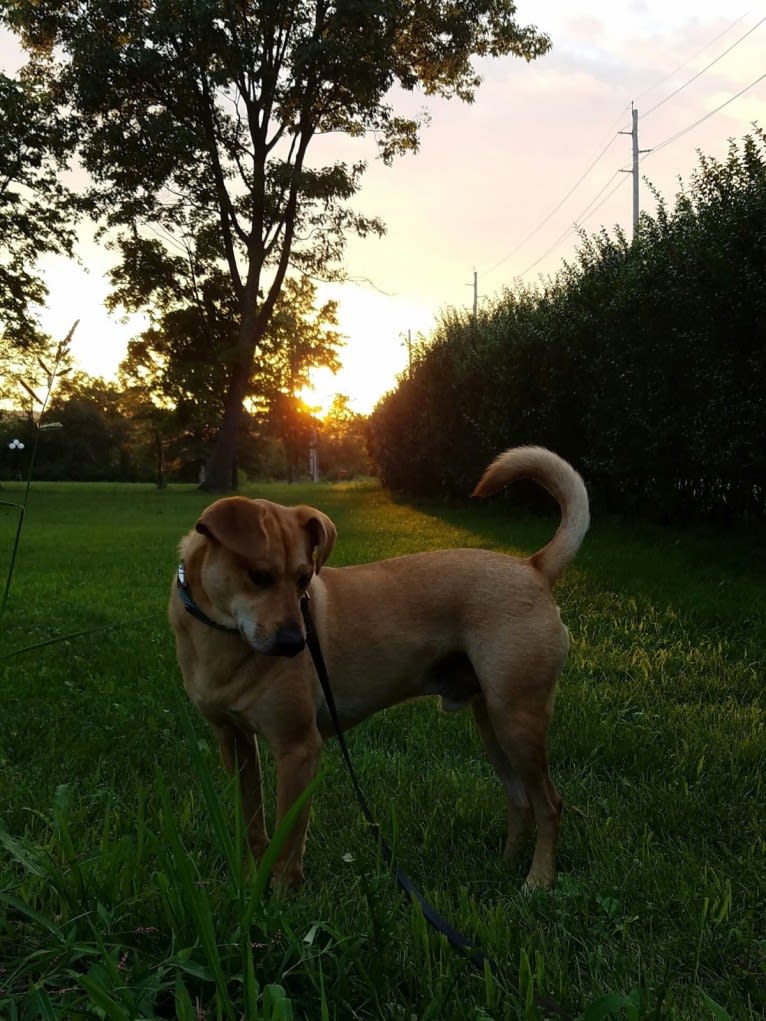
(460, 942)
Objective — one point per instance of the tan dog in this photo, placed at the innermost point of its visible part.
(474, 627)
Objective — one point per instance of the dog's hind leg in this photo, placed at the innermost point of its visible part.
(520, 814)
(522, 733)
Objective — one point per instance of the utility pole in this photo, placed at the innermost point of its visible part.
(408, 344)
(475, 294)
(636, 152)
(314, 452)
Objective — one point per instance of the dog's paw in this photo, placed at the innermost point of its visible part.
(539, 881)
(286, 880)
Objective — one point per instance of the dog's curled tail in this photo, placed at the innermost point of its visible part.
(565, 486)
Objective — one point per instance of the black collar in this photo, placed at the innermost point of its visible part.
(196, 611)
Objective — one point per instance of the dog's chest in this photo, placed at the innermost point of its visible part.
(253, 696)
(222, 715)
(224, 698)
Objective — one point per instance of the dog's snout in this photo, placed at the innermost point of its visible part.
(288, 641)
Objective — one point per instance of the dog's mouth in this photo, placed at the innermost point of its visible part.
(286, 642)
(287, 645)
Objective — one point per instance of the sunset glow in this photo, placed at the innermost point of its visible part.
(320, 394)
(497, 186)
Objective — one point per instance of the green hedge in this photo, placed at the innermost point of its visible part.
(641, 362)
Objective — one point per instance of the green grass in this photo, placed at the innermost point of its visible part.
(121, 890)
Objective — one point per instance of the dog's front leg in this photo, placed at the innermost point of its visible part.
(239, 751)
(297, 763)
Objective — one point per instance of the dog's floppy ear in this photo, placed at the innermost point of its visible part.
(204, 529)
(235, 522)
(322, 533)
(217, 520)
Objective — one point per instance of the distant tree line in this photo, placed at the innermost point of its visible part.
(101, 432)
(643, 363)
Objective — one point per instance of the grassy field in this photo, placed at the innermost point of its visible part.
(121, 890)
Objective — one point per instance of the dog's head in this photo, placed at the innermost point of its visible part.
(259, 559)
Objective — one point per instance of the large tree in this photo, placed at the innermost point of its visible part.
(197, 117)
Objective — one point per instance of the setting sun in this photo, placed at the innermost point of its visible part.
(319, 395)
(375, 352)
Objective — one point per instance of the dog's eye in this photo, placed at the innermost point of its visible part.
(263, 579)
(304, 580)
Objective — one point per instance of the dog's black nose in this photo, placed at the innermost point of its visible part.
(288, 641)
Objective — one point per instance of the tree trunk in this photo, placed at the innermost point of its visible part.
(161, 477)
(220, 470)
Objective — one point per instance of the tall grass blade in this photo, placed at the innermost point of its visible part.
(276, 1005)
(612, 1004)
(41, 1003)
(181, 871)
(101, 998)
(220, 825)
(719, 1013)
(184, 1006)
(277, 842)
(34, 916)
(24, 853)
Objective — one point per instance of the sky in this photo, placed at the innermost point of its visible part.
(499, 186)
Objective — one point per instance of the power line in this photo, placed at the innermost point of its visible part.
(603, 152)
(553, 211)
(707, 116)
(704, 69)
(588, 212)
(584, 214)
(686, 63)
(606, 198)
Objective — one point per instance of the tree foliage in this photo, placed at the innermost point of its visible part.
(36, 210)
(196, 119)
(343, 449)
(643, 363)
